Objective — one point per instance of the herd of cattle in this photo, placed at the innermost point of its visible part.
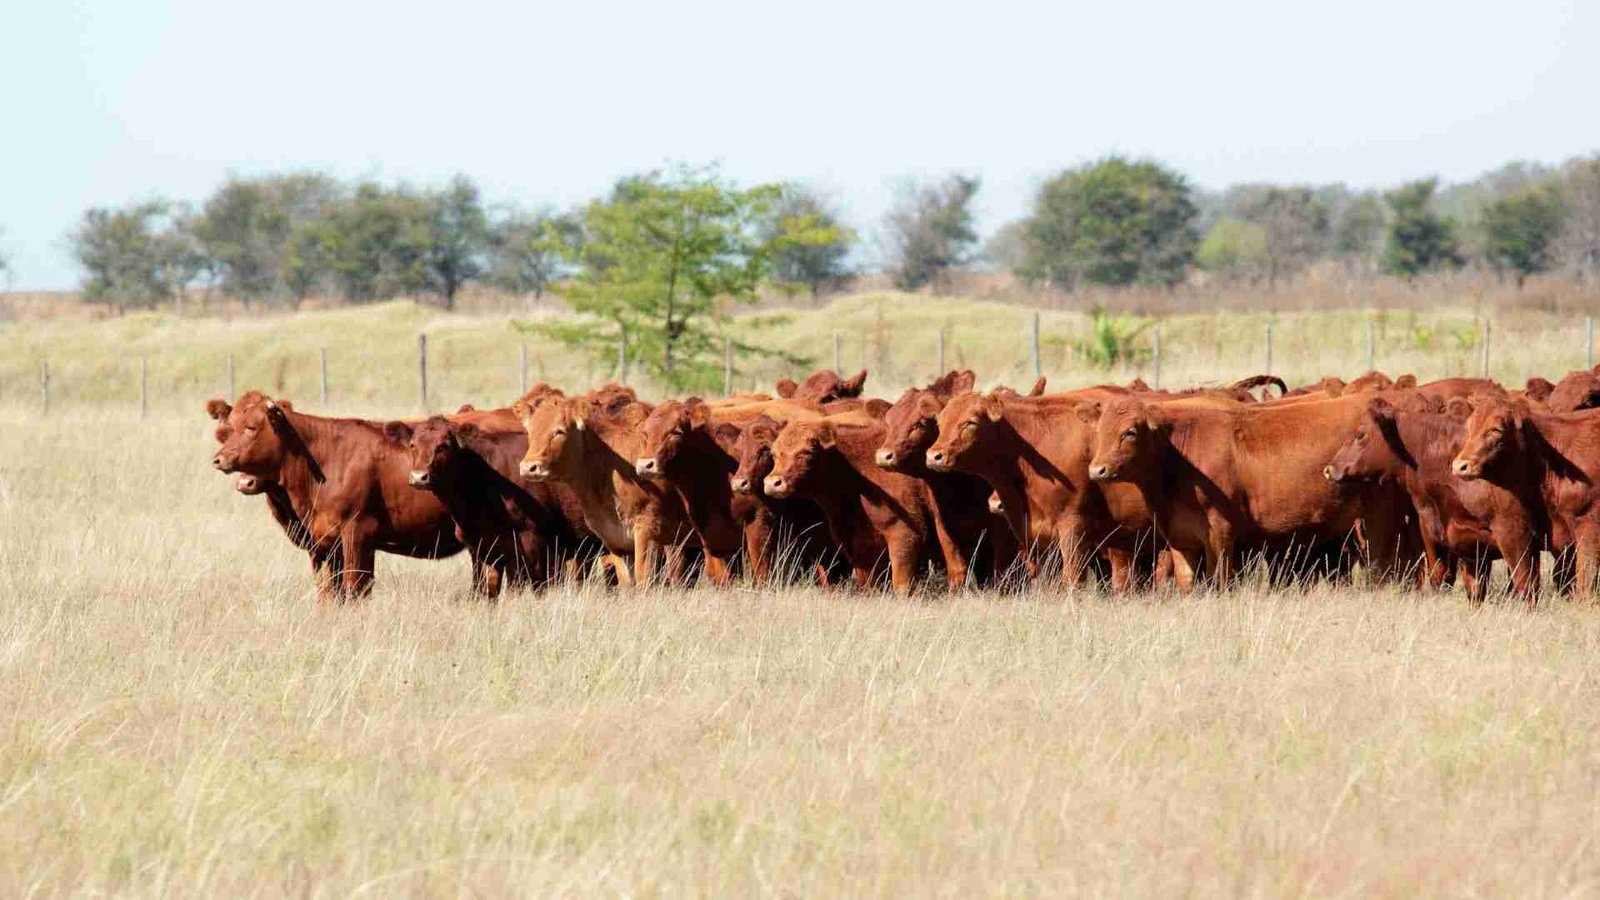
(1419, 483)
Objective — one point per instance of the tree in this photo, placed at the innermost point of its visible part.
(656, 262)
(135, 257)
(459, 237)
(1520, 231)
(1358, 233)
(818, 263)
(246, 227)
(528, 252)
(1234, 249)
(1420, 240)
(380, 243)
(1580, 234)
(930, 231)
(1113, 222)
(1294, 226)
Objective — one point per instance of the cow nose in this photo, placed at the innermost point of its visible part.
(418, 479)
(1327, 472)
(216, 463)
(886, 457)
(646, 466)
(739, 484)
(774, 485)
(936, 458)
(532, 469)
(1099, 473)
(1461, 468)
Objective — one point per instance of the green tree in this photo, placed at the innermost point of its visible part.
(931, 232)
(380, 243)
(529, 252)
(1520, 231)
(818, 263)
(245, 229)
(1113, 222)
(657, 263)
(459, 238)
(1234, 249)
(1420, 240)
(1294, 227)
(138, 256)
(1358, 233)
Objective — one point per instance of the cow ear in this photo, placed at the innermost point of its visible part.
(726, 434)
(1333, 387)
(994, 406)
(827, 437)
(465, 408)
(928, 407)
(1038, 387)
(1139, 385)
(1458, 407)
(699, 414)
(1381, 409)
(283, 405)
(851, 387)
(1405, 382)
(786, 388)
(963, 381)
(397, 432)
(465, 432)
(1089, 412)
(219, 409)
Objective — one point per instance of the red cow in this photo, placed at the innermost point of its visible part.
(823, 386)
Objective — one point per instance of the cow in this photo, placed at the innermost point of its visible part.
(1034, 454)
(874, 516)
(345, 482)
(806, 544)
(1508, 444)
(823, 386)
(690, 446)
(1219, 480)
(1575, 391)
(910, 427)
(1411, 440)
(516, 536)
(591, 443)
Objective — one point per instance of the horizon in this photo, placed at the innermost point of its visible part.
(160, 101)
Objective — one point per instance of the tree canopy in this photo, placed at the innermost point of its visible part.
(1113, 222)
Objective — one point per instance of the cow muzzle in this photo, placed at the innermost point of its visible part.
(221, 464)
(419, 478)
(534, 470)
(1331, 474)
(1462, 468)
(886, 458)
(249, 485)
(647, 465)
(938, 460)
(776, 486)
(1101, 472)
(741, 485)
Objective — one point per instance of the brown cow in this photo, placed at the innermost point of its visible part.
(1222, 480)
(1412, 442)
(823, 386)
(590, 443)
(873, 515)
(346, 483)
(1575, 391)
(805, 545)
(516, 536)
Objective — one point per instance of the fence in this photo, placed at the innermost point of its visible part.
(1153, 362)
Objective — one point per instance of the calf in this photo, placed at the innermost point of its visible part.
(1221, 480)
(591, 444)
(802, 535)
(823, 386)
(516, 537)
(1411, 441)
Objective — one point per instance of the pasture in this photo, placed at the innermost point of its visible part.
(183, 717)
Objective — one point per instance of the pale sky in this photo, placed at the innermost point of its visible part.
(548, 103)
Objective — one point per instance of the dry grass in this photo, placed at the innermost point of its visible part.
(182, 719)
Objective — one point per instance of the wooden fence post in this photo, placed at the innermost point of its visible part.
(322, 371)
(1038, 363)
(422, 368)
(144, 387)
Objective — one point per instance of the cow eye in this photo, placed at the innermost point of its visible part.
(1130, 434)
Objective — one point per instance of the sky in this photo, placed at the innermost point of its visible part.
(546, 104)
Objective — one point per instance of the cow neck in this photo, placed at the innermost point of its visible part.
(616, 443)
(282, 507)
(308, 438)
(1551, 444)
(1031, 423)
(477, 491)
(702, 491)
(850, 463)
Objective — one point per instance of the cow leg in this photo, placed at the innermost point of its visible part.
(1564, 569)
(327, 561)
(1074, 553)
(646, 546)
(1476, 569)
(955, 558)
(360, 558)
(1522, 560)
(1587, 544)
(493, 580)
(1185, 565)
(759, 546)
(904, 556)
(1124, 569)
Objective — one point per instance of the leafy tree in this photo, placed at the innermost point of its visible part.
(378, 244)
(1234, 249)
(930, 231)
(1294, 226)
(1520, 231)
(657, 261)
(459, 237)
(1007, 248)
(816, 263)
(1358, 233)
(529, 251)
(1114, 222)
(246, 226)
(1420, 240)
(135, 257)
(1580, 234)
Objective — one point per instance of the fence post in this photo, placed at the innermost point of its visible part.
(144, 386)
(1157, 385)
(727, 367)
(1588, 353)
(1269, 348)
(941, 369)
(44, 385)
(836, 351)
(322, 371)
(1038, 365)
(522, 378)
(231, 394)
(422, 368)
(1371, 350)
(1483, 366)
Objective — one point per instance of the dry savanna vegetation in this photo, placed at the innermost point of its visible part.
(182, 717)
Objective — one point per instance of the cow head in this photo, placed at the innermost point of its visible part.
(754, 452)
(1578, 390)
(1374, 451)
(436, 447)
(1494, 436)
(666, 430)
(255, 435)
(797, 456)
(1538, 390)
(965, 426)
(913, 422)
(553, 422)
(1126, 438)
(824, 386)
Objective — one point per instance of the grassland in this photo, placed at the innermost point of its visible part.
(181, 718)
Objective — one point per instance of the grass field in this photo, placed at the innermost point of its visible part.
(181, 718)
